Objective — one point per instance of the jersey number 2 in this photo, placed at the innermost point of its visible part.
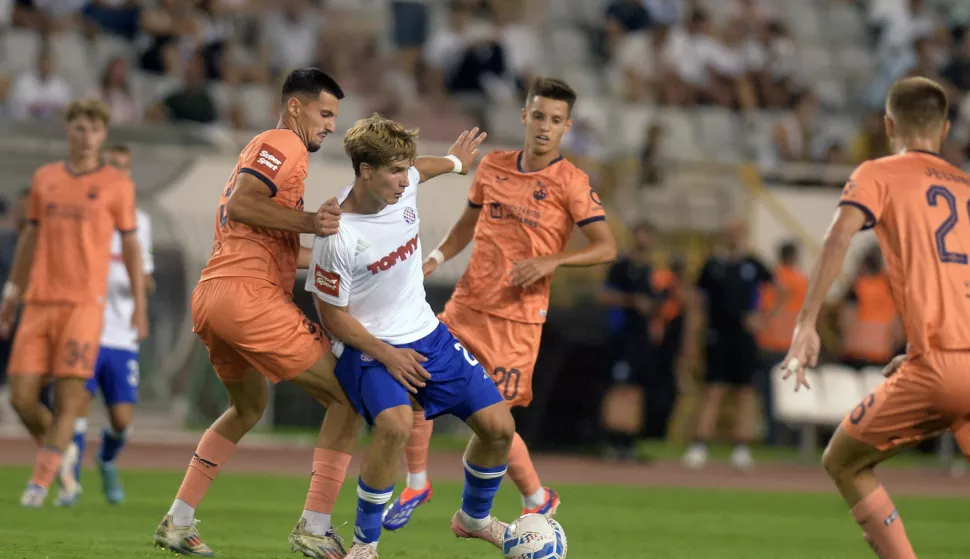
(933, 196)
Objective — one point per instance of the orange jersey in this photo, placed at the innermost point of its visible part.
(76, 217)
(776, 334)
(279, 159)
(523, 215)
(918, 205)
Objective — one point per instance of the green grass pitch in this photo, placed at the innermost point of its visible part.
(251, 516)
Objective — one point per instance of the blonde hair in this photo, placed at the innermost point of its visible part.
(917, 105)
(379, 141)
(89, 108)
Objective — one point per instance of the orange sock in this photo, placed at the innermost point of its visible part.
(416, 452)
(521, 470)
(329, 471)
(212, 453)
(45, 467)
(882, 527)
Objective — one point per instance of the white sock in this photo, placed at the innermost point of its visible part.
(535, 500)
(317, 523)
(418, 481)
(473, 524)
(182, 513)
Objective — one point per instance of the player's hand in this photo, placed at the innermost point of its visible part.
(405, 366)
(429, 266)
(893, 366)
(643, 304)
(526, 272)
(139, 321)
(804, 350)
(466, 149)
(8, 308)
(326, 221)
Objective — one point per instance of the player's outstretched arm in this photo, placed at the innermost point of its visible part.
(806, 345)
(600, 250)
(23, 261)
(403, 364)
(251, 203)
(460, 159)
(131, 253)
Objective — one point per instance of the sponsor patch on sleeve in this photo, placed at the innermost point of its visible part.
(268, 160)
(327, 282)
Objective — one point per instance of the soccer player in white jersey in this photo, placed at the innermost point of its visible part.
(368, 288)
(116, 371)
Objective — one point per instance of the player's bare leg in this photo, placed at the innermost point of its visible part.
(744, 418)
(25, 398)
(69, 395)
(850, 464)
(418, 490)
(247, 402)
(314, 534)
(696, 456)
(486, 459)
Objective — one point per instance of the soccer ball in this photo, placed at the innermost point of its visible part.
(533, 536)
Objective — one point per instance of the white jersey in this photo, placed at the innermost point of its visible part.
(119, 306)
(372, 266)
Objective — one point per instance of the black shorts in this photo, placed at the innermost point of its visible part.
(732, 357)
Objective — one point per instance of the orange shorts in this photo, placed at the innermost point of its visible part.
(58, 339)
(249, 322)
(926, 396)
(506, 348)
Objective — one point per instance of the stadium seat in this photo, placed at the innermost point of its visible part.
(504, 122)
(586, 82)
(806, 20)
(20, 48)
(720, 133)
(569, 48)
(352, 109)
(815, 60)
(631, 121)
(257, 103)
(680, 137)
(831, 92)
(108, 47)
(872, 378)
(795, 408)
(841, 390)
(72, 60)
(843, 25)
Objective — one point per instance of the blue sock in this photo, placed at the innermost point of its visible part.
(370, 509)
(111, 444)
(80, 440)
(481, 485)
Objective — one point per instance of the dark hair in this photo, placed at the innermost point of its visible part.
(917, 105)
(552, 88)
(309, 82)
(787, 252)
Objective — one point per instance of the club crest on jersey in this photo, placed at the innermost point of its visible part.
(540, 192)
(93, 193)
(409, 216)
(849, 187)
(327, 282)
(401, 253)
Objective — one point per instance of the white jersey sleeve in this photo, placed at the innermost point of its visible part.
(145, 239)
(332, 266)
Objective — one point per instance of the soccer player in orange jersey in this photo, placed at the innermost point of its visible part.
(522, 208)
(62, 260)
(917, 204)
(243, 311)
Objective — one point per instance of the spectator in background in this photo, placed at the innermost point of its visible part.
(835, 155)
(771, 60)
(115, 17)
(115, 91)
(957, 72)
(47, 16)
(667, 341)
(871, 142)
(629, 296)
(411, 25)
(519, 41)
(290, 37)
(650, 170)
(41, 93)
(192, 102)
(728, 288)
(623, 17)
(780, 303)
(870, 326)
(793, 134)
(170, 29)
(637, 62)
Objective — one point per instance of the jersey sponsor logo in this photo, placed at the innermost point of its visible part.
(327, 282)
(269, 160)
(522, 214)
(66, 211)
(849, 187)
(540, 192)
(401, 253)
(410, 216)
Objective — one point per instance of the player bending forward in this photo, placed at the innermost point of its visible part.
(75, 207)
(522, 208)
(917, 204)
(116, 369)
(369, 291)
(243, 311)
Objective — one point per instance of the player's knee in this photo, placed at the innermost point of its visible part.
(23, 403)
(392, 427)
(834, 462)
(498, 428)
(249, 413)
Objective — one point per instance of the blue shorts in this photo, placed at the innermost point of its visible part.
(459, 385)
(116, 374)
